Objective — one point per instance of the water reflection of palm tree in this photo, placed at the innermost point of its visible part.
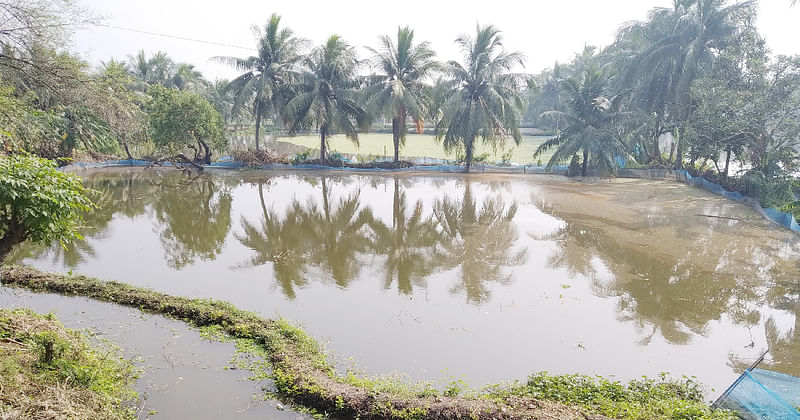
(337, 235)
(329, 237)
(279, 241)
(195, 217)
(675, 287)
(409, 244)
(479, 241)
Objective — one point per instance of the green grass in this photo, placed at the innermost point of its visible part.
(420, 145)
(643, 399)
(48, 371)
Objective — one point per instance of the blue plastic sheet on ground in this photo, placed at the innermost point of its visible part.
(762, 395)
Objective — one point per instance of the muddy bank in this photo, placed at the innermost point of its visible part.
(302, 373)
(181, 374)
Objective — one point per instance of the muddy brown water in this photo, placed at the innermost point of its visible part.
(480, 278)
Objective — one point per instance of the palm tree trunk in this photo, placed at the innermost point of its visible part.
(681, 147)
(258, 123)
(396, 137)
(468, 146)
(585, 161)
(323, 131)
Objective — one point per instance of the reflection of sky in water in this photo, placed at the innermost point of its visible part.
(534, 273)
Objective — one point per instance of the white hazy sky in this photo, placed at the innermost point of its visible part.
(545, 30)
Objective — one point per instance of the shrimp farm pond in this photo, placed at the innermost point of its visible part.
(480, 278)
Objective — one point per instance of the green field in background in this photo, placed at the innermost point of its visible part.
(420, 145)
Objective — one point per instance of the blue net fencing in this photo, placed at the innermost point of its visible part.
(763, 395)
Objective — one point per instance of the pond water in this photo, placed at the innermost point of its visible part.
(180, 374)
(480, 278)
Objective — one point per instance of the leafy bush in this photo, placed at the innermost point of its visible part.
(771, 190)
(38, 202)
(505, 159)
(300, 158)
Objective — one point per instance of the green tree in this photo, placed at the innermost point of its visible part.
(482, 98)
(400, 91)
(674, 47)
(592, 113)
(327, 94)
(221, 97)
(547, 96)
(268, 79)
(181, 120)
(38, 202)
(120, 106)
(159, 69)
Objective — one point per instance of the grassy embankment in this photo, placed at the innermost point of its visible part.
(303, 374)
(50, 372)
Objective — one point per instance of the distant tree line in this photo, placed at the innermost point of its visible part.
(693, 86)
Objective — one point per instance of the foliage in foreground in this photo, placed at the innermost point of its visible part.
(302, 373)
(38, 202)
(47, 371)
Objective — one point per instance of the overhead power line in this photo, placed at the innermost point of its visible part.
(182, 38)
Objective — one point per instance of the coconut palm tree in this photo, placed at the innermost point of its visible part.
(186, 77)
(484, 99)
(547, 96)
(400, 91)
(678, 43)
(268, 78)
(327, 94)
(158, 69)
(589, 121)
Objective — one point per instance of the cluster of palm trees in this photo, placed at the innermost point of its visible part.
(697, 72)
(324, 91)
